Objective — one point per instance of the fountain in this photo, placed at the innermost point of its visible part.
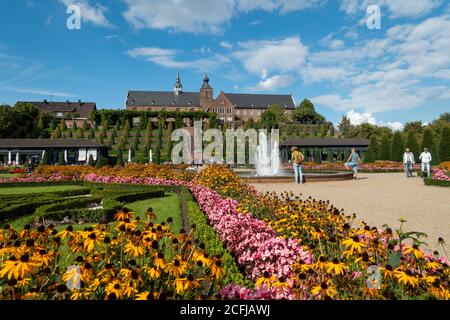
(267, 164)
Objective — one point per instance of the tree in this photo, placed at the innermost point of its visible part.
(69, 134)
(317, 155)
(80, 133)
(111, 141)
(85, 125)
(91, 134)
(91, 162)
(306, 113)
(63, 125)
(397, 147)
(142, 122)
(103, 133)
(45, 161)
(105, 125)
(41, 123)
(169, 144)
(101, 162)
(385, 148)
(101, 140)
(74, 125)
(444, 145)
(61, 160)
(330, 156)
(414, 126)
(374, 150)
(412, 144)
(120, 161)
(445, 117)
(57, 133)
(345, 127)
(427, 139)
(95, 126)
(159, 142)
(117, 127)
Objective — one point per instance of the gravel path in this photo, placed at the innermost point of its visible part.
(383, 198)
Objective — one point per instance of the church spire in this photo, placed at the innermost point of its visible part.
(178, 88)
(206, 82)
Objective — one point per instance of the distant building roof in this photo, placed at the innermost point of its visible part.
(48, 143)
(260, 101)
(162, 98)
(326, 142)
(80, 107)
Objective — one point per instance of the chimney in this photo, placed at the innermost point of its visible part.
(67, 101)
(79, 102)
(45, 101)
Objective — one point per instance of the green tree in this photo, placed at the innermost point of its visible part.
(80, 133)
(414, 126)
(120, 161)
(95, 126)
(444, 145)
(330, 156)
(101, 162)
(142, 122)
(345, 127)
(63, 125)
(169, 144)
(374, 150)
(385, 148)
(317, 155)
(101, 140)
(159, 142)
(74, 126)
(91, 134)
(117, 127)
(397, 147)
(91, 161)
(69, 134)
(412, 144)
(427, 139)
(61, 160)
(84, 125)
(306, 113)
(57, 133)
(45, 161)
(41, 122)
(103, 133)
(105, 125)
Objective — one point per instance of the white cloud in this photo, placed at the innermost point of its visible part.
(360, 118)
(273, 83)
(167, 58)
(200, 15)
(39, 92)
(226, 45)
(311, 74)
(265, 56)
(89, 13)
(397, 8)
(331, 43)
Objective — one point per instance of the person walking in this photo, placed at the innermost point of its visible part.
(297, 160)
(426, 158)
(408, 162)
(353, 163)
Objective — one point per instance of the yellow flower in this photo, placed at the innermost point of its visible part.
(147, 296)
(353, 244)
(114, 289)
(217, 270)
(266, 279)
(177, 267)
(414, 250)
(324, 289)
(92, 239)
(406, 278)
(19, 269)
(133, 250)
(336, 267)
(153, 273)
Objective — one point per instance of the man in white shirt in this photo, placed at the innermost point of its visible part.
(426, 158)
(408, 162)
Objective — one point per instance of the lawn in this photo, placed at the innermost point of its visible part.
(10, 175)
(28, 190)
(164, 208)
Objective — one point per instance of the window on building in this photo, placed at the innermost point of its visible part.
(59, 114)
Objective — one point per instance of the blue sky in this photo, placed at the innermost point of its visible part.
(316, 49)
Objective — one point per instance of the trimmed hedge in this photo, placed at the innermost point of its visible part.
(24, 209)
(114, 187)
(39, 184)
(57, 208)
(437, 183)
(204, 233)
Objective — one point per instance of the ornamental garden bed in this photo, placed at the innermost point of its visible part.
(241, 244)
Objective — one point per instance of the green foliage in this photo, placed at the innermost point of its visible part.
(330, 157)
(69, 134)
(437, 183)
(56, 134)
(19, 121)
(41, 123)
(74, 126)
(414, 126)
(101, 162)
(306, 113)
(444, 145)
(385, 148)
(412, 144)
(374, 150)
(91, 134)
(80, 133)
(397, 147)
(317, 156)
(345, 127)
(120, 161)
(95, 126)
(91, 161)
(273, 116)
(85, 125)
(61, 160)
(159, 142)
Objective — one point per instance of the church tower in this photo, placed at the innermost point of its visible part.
(206, 94)
(178, 88)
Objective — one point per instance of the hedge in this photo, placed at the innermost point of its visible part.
(24, 209)
(204, 233)
(437, 183)
(47, 210)
(39, 184)
(114, 187)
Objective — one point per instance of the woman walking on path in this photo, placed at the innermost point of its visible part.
(426, 158)
(353, 162)
(297, 160)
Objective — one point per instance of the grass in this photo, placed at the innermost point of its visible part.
(28, 190)
(167, 207)
(10, 175)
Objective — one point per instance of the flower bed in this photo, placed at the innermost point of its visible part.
(377, 167)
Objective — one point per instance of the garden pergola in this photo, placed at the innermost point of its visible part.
(75, 151)
(326, 145)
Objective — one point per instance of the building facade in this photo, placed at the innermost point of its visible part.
(229, 107)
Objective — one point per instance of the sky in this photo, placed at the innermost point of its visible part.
(325, 50)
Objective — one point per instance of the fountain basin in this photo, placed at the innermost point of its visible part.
(287, 176)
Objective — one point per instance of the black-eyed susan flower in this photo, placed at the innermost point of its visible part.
(134, 250)
(406, 278)
(19, 268)
(217, 270)
(177, 267)
(415, 251)
(324, 289)
(336, 267)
